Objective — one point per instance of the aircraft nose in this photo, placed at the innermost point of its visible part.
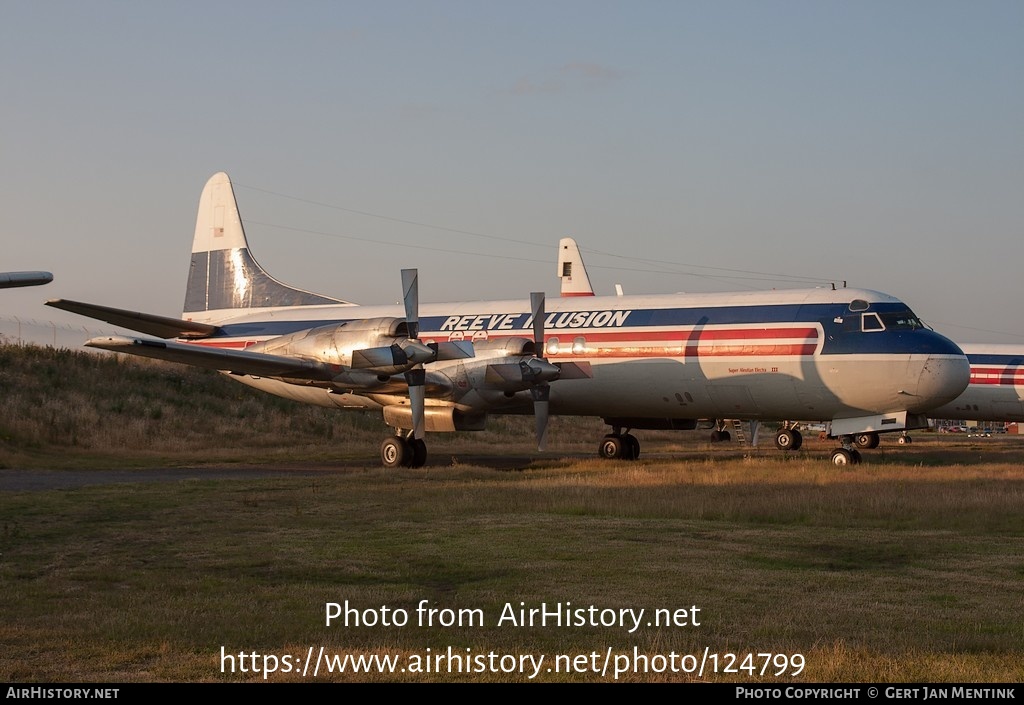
(943, 378)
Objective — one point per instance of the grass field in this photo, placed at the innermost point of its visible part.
(909, 567)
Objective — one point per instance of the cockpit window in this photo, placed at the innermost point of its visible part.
(858, 305)
(870, 322)
(901, 320)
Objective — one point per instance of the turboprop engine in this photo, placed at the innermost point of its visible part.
(382, 346)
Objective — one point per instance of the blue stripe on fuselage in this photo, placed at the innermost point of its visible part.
(842, 328)
(1008, 360)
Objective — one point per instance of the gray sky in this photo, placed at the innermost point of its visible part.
(877, 142)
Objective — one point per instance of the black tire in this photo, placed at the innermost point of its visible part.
(418, 454)
(842, 457)
(611, 447)
(798, 440)
(394, 452)
(866, 440)
(633, 445)
(785, 439)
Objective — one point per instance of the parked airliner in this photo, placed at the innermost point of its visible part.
(995, 392)
(854, 357)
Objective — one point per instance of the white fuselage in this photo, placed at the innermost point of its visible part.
(809, 354)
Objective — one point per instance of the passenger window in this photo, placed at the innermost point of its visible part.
(870, 323)
(579, 345)
(552, 346)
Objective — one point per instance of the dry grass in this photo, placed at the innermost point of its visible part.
(884, 578)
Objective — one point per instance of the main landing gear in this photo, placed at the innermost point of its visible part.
(788, 439)
(619, 445)
(403, 451)
(720, 434)
(847, 455)
(867, 440)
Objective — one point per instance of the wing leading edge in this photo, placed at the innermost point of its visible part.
(234, 361)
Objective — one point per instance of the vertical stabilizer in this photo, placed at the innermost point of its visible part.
(224, 277)
(571, 271)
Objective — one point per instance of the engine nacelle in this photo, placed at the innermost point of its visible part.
(378, 346)
(334, 344)
(436, 418)
(505, 347)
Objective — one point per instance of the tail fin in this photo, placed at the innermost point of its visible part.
(224, 277)
(571, 271)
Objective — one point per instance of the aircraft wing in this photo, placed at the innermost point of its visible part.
(160, 326)
(234, 361)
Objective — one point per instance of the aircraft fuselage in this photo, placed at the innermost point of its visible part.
(812, 354)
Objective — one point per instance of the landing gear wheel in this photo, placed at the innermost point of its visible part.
(788, 439)
(856, 456)
(866, 440)
(633, 446)
(717, 436)
(841, 456)
(904, 440)
(611, 447)
(419, 453)
(395, 452)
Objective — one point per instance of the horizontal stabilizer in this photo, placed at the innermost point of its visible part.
(160, 326)
(235, 361)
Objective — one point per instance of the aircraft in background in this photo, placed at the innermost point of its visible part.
(854, 357)
(996, 389)
(9, 280)
(994, 394)
(572, 273)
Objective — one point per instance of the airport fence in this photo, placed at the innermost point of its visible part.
(16, 330)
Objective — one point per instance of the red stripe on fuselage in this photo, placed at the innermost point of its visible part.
(696, 342)
(1001, 376)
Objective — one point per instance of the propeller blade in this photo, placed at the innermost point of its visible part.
(541, 393)
(417, 352)
(575, 370)
(539, 370)
(537, 304)
(411, 299)
(379, 358)
(417, 395)
(453, 350)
